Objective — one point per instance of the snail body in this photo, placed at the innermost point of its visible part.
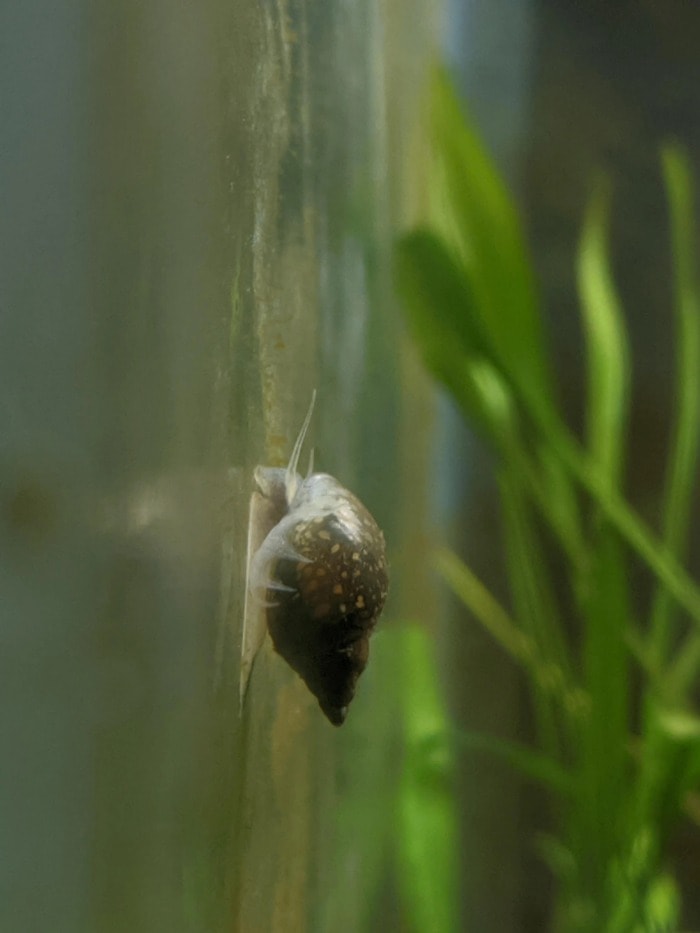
(321, 577)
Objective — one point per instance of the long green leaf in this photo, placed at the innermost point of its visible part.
(600, 819)
(438, 300)
(475, 311)
(602, 814)
(476, 216)
(444, 357)
(683, 456)
(504, 630)
(439, 303)
(427, 812)
(606, 342)
(631, 528)
(536, 608)
(542, 769)
(483, 225)
(430, 281)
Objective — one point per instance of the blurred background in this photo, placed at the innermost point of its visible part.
(201, 206)
(561, 92)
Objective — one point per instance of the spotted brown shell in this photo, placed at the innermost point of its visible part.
(328, 596)
(321, 576)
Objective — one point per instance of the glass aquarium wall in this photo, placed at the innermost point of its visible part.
(198, 206)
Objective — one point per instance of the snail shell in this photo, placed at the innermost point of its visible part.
(321, 574)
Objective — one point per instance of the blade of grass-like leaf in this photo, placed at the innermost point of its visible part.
(625, 521)
(670, 768)
(538, 594)
(427, 810)
(485, 607)
(437, 299)
(664, 768)
(683, 672)
(642, 901)
(662, 906)
(535, 607)
(540, 483)
(438, 296)
(683, 457)
(428, 273)
(600, 813)
(542, 769)
(429, 281)
(630, 527)
(489, 240)
(479, 221)
(496, 621)
(606, 342)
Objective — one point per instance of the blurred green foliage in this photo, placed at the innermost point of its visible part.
(619, 782)
(427, 819)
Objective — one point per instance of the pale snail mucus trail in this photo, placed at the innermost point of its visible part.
(317, 579)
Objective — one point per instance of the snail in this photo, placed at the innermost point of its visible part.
(317, 573)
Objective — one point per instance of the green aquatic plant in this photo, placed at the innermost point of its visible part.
(619, 781)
